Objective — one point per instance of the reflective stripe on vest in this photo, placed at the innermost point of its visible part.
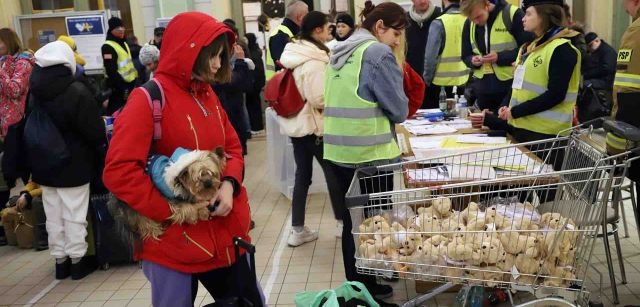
(619, 143)
(271, 66)
(126, 69)
(500, 39)
(451, 70)
(355, 130)
(536, 78)
(627, 80)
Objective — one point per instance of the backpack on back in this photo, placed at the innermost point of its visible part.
(44, 142)
(282, 94)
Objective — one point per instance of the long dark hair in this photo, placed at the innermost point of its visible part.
(392, 16)
(202, 67)
(312, 21)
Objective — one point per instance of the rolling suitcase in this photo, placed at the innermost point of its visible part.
(109, 245)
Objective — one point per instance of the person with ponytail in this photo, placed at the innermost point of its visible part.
(308, 57)
(364, 99)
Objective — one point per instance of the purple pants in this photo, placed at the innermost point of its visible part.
(168, 287)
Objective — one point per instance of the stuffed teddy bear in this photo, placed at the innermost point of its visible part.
(459, 250)
(452, 221)
(477, 223)
(437, 240)
(428, 224)
(552, 220)
(383, 243)
(368, 249)
(472, 210)
(490, 275)
(515, 243)
(428, 211)
(408, 246)
(506, 264)
(528, 265)
(454, 274)
(559, 276)
(442, 206)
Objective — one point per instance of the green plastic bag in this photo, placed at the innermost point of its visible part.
(349, 290)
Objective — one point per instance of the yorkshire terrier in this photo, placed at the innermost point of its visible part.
(189, 179)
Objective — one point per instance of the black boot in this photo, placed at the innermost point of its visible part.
(63, 270)
(40, 237)
(84, 267)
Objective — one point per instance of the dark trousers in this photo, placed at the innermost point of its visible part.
(304, 150)
(254, 107)
(118, 99)
(344, 175)
(225, 283)
(432, 95)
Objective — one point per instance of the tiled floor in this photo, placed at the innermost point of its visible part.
(26, 277)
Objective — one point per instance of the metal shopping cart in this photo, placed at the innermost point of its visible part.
(521, 217)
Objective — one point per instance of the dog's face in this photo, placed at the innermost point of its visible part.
(201, 179)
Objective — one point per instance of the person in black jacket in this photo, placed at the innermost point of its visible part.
(490, 90)
(600, 68)
(76, 115)
(295, 12)
(254, 103)
(420, 16)
(120, 88)
(231, 95)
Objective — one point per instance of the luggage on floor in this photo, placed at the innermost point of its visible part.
(18, 227)
(110, 247)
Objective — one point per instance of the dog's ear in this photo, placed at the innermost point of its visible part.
(182, 179)
(220, 152)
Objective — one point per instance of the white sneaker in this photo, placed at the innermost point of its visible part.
(339, 226)
(299, 238)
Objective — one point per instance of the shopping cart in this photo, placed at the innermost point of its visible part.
(521, 217)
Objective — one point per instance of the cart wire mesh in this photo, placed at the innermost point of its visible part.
(519, 217)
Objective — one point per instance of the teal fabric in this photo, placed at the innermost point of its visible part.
(349, 290)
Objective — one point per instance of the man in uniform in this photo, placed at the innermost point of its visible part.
(626, 87)
(296, 10)
(119, 70)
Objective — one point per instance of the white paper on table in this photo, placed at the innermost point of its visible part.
(428, 174)
(473, 139)
(432, 129)
(416, 122)
(428, 111)
(458, 171)
(422, 143)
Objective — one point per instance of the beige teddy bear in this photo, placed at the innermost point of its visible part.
(528, 265)
(429, 224)
(554, 220)
(452, 221)
(515, 243)
(472, 210)
(459, 250)
(559, 276)
(489, 274)
(437, 240)
(442, 206)
(428, 211)
(506, 264)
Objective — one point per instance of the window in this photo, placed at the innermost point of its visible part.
(52, 5)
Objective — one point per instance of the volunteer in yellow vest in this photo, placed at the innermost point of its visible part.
(295, 12)
(546, 78)
(491, 38)
(626, 87)
(118, 65)
(364, 99)
(443, 65)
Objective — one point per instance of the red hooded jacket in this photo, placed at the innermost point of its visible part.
(414, 89)
(186, 248)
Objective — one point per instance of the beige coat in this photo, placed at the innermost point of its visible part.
(309, 64)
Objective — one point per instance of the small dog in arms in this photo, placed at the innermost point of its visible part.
(186, 178)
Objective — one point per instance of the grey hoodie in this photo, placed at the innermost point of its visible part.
(380, 77)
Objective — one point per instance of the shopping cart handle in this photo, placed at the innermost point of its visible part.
(624, 130)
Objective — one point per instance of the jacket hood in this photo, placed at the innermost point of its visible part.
(301, 51)
(56, 53)
(185, 36)
(345, 49)
(47, 83)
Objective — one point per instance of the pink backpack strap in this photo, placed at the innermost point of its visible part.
(155, 97)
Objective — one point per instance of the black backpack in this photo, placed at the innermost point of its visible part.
(44, 143)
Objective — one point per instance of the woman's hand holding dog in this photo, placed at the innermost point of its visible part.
(224, 198)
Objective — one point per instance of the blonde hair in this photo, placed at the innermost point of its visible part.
(467, 6)
(400, 52)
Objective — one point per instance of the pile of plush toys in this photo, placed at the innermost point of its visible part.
(474, 244)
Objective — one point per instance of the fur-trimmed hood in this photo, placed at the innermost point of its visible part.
(164, 171)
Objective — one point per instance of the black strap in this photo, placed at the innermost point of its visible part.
(506, 17)
(154, 90)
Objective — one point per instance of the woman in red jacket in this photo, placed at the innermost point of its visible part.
(197, 52)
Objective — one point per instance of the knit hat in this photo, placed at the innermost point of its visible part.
(590, 37)
(528, 3)
(56, 53)
(346, 19)
(115, 22)
(149, 54)
(69, 41)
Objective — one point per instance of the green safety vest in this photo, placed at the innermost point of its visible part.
(355, 130)
(271, 66)
(536, 79)
(126, 69)
(451, 70)
(500, 39)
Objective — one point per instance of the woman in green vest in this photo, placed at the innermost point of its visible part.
(546, 76)
(364, 99)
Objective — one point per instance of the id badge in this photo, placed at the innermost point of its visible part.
(518, 77)
(487, 68)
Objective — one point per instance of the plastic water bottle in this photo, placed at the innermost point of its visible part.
(476, 297)
(443, 100)
(461, 107)
(461, 297)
